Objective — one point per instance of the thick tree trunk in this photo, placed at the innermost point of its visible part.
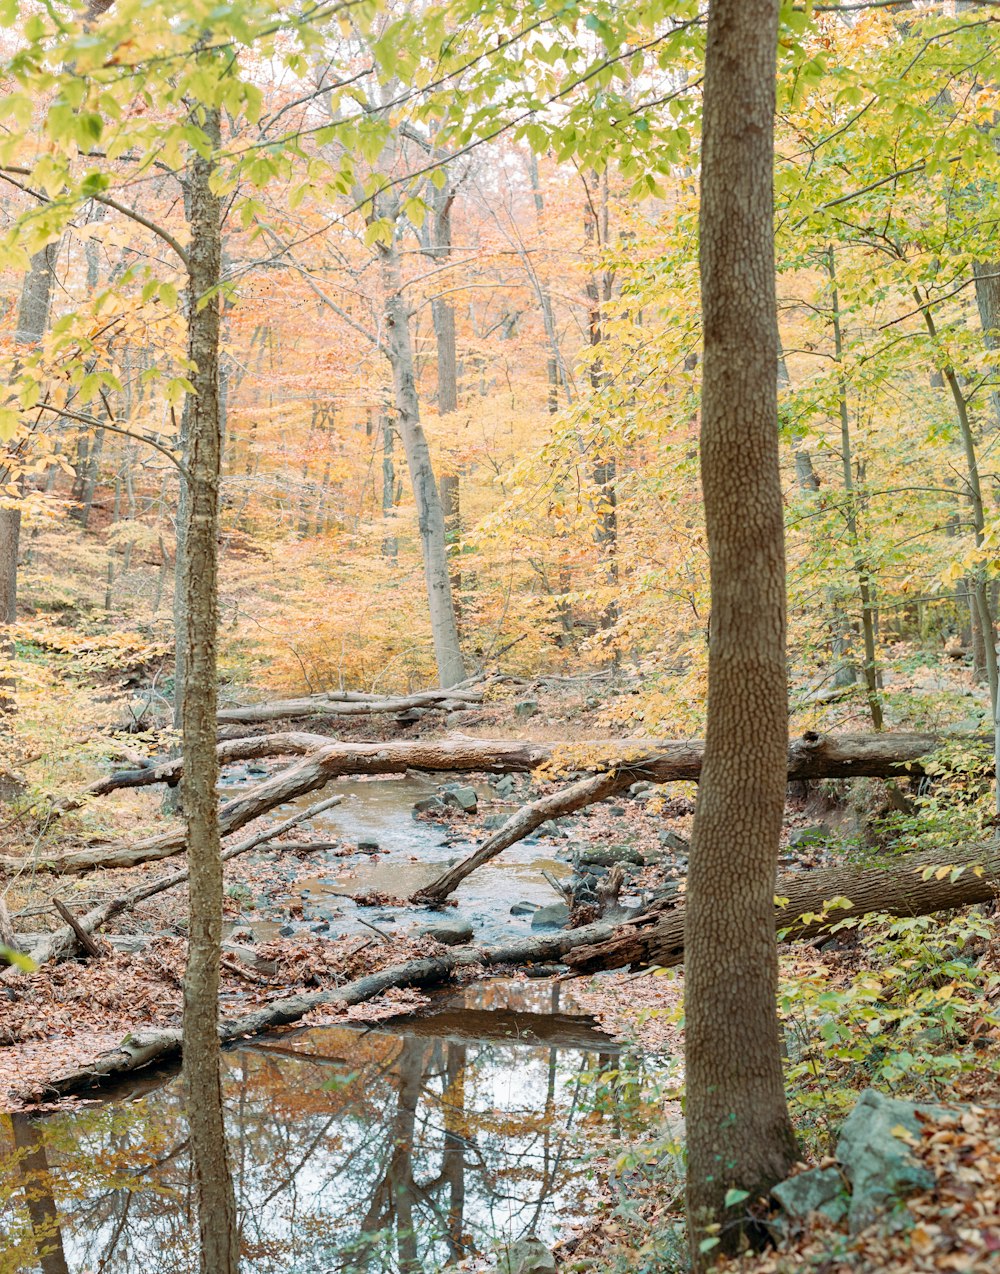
(739, 1135)
(216, 1204)
(430, 514)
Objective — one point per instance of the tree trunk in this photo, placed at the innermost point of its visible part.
(861, 569)
(987, 276)
(219, 1244)
(32, 320)
(430, 515)
(739, 1135)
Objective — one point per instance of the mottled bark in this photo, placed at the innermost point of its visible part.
(738, 1132)
(987, 276)
(216, 1206)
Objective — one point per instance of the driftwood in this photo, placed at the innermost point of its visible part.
(657, 937)
(144, 1048)
(346, 703)
(64, 942)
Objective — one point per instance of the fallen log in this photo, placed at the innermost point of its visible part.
(345, 703)
(143, 1048)
(659, 761)
(522, 823)
(656, 938)
(899, 889)
(813, 756)
(64, 942)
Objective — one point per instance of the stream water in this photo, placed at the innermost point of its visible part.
(386, 1150)
(412, 852)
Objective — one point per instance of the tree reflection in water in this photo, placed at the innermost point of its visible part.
(352, 1151)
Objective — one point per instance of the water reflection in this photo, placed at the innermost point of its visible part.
(363, 1151)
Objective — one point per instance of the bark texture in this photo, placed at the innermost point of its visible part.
(738, 1131)
(219, 1241)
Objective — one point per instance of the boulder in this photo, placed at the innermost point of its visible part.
(608, 857)
(877, 1160)
(453, 933)
(524, 908)
(671, 840)
(819, 1190)
(428, 805)
(463, 798)
(368, 847)
(555, 916)
(527, 1256)
(526, 708)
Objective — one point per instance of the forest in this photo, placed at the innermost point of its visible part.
(499, 600)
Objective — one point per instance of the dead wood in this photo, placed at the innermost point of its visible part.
(345, 703)
(521, 823)
(64, 942)
(85, 939)
(812, 756)
(657, 937)
(143, 1048)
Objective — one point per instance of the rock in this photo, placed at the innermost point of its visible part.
(463, 798)
(617, 810)
(368, 847)
(608, 857)
(671, 840)
(526, 708)
(818, 834)
(553, 917)
(504, 785)
(640, 788)
(819, 1190)
(258, 771)
(428, 805)
(524, 908)
(527, 1256)
(386, 918)
(286, 931)
(451, 932)
(322, 927)
(880, 1166)
(492, 821)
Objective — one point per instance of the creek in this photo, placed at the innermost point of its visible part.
(383, 1149)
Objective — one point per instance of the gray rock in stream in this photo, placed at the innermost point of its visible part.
(429, 805)
(453, 933)
(555, 916)
(524, 908)
(462, 797)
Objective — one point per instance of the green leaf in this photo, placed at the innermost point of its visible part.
(18, 959)
(734, 1196)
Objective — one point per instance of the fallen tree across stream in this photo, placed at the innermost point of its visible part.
(655, 938)
(623, 762)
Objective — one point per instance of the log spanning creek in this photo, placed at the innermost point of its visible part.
(391, 1148)
(373, 843)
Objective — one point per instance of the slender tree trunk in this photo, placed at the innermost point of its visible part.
(977, 580)
(430, 514)
(219, 1246)
(739, 1136)
(868, 619)
(987, 276)
(443, 316)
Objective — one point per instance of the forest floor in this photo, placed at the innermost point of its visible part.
(63, 1014)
